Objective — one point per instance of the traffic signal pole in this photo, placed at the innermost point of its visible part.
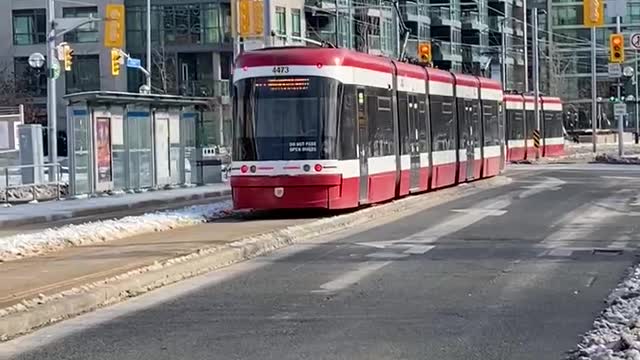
(52, 110)
(536, 76)
(621, 117)
(594, 90)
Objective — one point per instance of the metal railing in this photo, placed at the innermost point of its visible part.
(208, 88)
(12, 182)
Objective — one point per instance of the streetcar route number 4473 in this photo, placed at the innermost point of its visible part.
(280, 69)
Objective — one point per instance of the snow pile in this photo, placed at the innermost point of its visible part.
(615, 159)
(616, 333)
(25, 245)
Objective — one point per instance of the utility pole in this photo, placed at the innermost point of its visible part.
(621, 117)
(637, 105)
(504, 54)
(526, 50)
(267, 22)
(149, 45)
(594, 90)
(536, 75)
(52, 63)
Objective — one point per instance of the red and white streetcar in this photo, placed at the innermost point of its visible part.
(332, 128)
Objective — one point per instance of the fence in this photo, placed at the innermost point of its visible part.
(24, 183)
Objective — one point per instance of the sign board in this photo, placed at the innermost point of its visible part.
(55, 69)
(114, 26)
(619, 109)
(536, 139)
(593, 11)
(133, 63)
(614, 70)
(616, 8)
(634, 39)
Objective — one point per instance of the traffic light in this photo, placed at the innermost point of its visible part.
(616, 48)
(116, 57)
(244, 18)
(424, 51)
(68, 57)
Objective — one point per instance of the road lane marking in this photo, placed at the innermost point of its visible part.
(352, 277)
(549, 184)
(419, 249)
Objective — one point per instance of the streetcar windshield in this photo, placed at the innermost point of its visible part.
(292, 118)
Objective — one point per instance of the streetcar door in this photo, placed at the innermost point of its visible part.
(502, 132)
(414, 143)
(363, 145)
(468, 120)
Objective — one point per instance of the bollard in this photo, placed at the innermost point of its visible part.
(6, 188)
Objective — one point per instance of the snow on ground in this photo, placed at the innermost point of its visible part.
(31, 244)
(616, 332)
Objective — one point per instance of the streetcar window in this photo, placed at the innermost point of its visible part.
(403, 120)
(423, 130)
(291, 118)
(491, 123)
(443, 126)
(553, 124)
(515, 124)
(530, 123)
(381, 130)
(347, 137)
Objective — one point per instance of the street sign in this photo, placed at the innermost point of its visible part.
(628, 71)
(634, 39)
(36, 60)
(615, 70)
(593, 13)
(616, 8)
(114, 26)
(55, 69)
(619, 109)
(133, 63)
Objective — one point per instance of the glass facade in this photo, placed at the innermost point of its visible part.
(84, 74)
(87, 33)
(29, 26)
(181, 24)
(570, 65)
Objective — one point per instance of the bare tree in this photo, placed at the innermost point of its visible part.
(559, 64)
(165, 79)
(22, 89)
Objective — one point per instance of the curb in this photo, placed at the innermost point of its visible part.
(30, 315)
(178, 200)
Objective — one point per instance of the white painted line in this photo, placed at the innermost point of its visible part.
(419, 249)
(550, 184)
(386, 255)
(560, 252)
(352, 277)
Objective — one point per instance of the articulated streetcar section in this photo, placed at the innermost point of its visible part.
(332, 128)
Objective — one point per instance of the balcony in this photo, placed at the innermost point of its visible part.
(518, 28)
(471, 21)
(445, 51)
(444, 16)
(518, 3)
(207, 88)
(474, 54)
(414, 12)
(499, 24)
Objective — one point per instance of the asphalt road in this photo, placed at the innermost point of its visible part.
(517, 272)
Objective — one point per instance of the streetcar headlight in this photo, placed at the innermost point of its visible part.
(253, 168)
(306, 167)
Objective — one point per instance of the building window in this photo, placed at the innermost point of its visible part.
(180, 24)
(295, 22)
(29, 26)
(281, 20)
(29, 81)
(84, 74)
(87, 33)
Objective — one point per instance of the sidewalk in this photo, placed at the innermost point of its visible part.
(45, 212)
(55, 272)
